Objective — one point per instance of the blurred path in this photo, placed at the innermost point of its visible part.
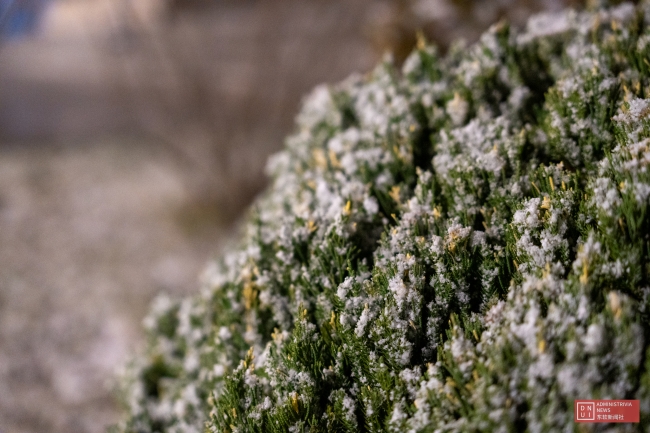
(87, 236)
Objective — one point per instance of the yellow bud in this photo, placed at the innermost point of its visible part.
(294, 401)
(585, 274)
(421, 41)
(546, 203)
(394, 194)
(250, 294)
(535, 186)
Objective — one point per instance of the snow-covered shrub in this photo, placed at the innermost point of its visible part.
(462, 245)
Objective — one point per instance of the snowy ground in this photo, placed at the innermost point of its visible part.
(87, 236)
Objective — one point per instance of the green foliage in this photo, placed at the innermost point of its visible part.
(462, 245)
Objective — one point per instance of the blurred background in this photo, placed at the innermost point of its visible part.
(133, 134)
